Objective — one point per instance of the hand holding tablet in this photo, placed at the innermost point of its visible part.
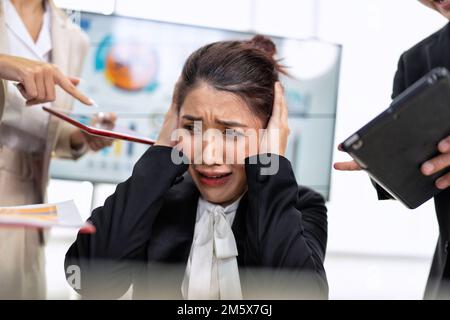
(395, 147)
(103, 131)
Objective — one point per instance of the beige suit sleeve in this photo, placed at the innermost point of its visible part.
(63, 147)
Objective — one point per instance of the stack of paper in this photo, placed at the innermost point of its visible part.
(63, 214)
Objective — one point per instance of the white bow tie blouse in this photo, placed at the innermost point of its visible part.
(212, 270)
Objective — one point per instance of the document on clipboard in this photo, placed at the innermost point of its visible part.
(63, 214)
(113, 133)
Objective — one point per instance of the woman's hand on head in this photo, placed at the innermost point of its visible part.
(275, 136)
(170, 123)
(37, 80)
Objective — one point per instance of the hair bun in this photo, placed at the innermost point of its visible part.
(265, 44)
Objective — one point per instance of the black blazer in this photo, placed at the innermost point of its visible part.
(430, 53)
(150, 219)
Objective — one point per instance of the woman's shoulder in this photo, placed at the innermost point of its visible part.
(307, 194)
(310, 199)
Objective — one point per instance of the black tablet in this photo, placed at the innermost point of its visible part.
(393, 146)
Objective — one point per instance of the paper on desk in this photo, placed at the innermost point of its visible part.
(63, 214)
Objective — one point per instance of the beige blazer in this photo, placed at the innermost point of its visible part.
(70, 46)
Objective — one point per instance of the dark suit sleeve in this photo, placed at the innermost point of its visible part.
(286, 226)
(123, 227)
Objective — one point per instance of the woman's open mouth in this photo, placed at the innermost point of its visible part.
(214, 179)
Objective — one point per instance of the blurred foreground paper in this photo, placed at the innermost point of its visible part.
(62, 214)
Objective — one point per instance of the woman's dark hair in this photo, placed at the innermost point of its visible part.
(247, 69)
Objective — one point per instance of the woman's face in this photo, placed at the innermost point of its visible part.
(221, 130)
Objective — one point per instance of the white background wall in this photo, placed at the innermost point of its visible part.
(376, 250)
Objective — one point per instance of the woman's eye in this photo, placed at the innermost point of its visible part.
(191, 128)
(231, 133)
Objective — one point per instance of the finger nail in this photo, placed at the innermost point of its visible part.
(442, 183)
(93, 103)
(428, 168)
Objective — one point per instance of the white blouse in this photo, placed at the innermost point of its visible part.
(24, 128)
(212, 270)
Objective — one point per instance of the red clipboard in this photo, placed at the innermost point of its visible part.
(99, 131)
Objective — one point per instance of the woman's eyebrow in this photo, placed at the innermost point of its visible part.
(191, 118)
(231, 123)
(227, 123)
